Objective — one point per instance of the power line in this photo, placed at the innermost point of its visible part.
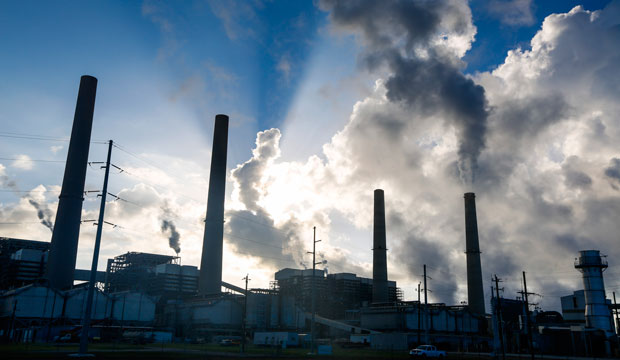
(148, 162)
(20, 223)
(41, 137)
(28, 191)
(34, 160)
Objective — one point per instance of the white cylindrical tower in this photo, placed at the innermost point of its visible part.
(597, 313)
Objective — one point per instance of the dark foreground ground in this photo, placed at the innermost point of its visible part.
(189, 351)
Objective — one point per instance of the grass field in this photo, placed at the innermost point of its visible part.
(183, 351)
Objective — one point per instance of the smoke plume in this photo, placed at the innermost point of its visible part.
(168, 227)
(420, 44)
(43, 213)
(174, 239)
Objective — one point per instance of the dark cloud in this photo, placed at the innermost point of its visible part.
(546, 210)
(613, 172)
(526, 117)
(573, 242)
(577, 179)
(413, 249)
(255, 234)
(394, 33)
(380, 22)
(573, 176)
(414, 252)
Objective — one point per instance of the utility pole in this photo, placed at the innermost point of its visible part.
(93, 268)
(499, 317)
(314, 241)
(245, 312)
(616, 318)
(527, 316)
(495, 323)
(419, 308)
(425, 308)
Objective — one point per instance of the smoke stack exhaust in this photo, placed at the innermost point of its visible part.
(63, 250)
(210, 281)
(475, 293)
(379, 261)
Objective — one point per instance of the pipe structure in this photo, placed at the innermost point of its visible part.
(210, 281)
(63, 249)
(475, 293)
(591, 265)
(379, 261)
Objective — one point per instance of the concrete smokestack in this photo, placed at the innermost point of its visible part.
(379, 261)
(475, 293)
(63, 250)
(212, 246)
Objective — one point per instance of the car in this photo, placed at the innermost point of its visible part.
(427, 351)
(230, 342)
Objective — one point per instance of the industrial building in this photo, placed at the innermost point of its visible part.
(38, 313)
(40, 298)
(22, 262)
(154, 274)
(335, 294)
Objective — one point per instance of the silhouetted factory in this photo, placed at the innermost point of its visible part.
(41, 298)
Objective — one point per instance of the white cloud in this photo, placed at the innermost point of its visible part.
(23, 162)
(547, 175)
(547, 184)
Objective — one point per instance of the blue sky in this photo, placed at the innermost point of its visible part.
(229, 57)
(495, 37)
(165, 68)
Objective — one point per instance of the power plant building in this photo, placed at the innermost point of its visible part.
(335, 293)
(22, 262)
(38, 298)
(154, 274)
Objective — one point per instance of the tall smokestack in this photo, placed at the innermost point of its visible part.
(475, 293)
(379, 261)
(212, 246)
(63, 250)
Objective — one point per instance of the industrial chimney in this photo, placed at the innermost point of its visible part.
(212, 246)
(63, 250)
(475, 293)
(379, 261)
(597, 313)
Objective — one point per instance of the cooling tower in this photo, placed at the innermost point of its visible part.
(212, 246)
(63, 250)
(597, 313)
(475, 293)
(379, 261)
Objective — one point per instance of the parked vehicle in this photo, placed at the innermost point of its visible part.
(427, 351)
(230, 342)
